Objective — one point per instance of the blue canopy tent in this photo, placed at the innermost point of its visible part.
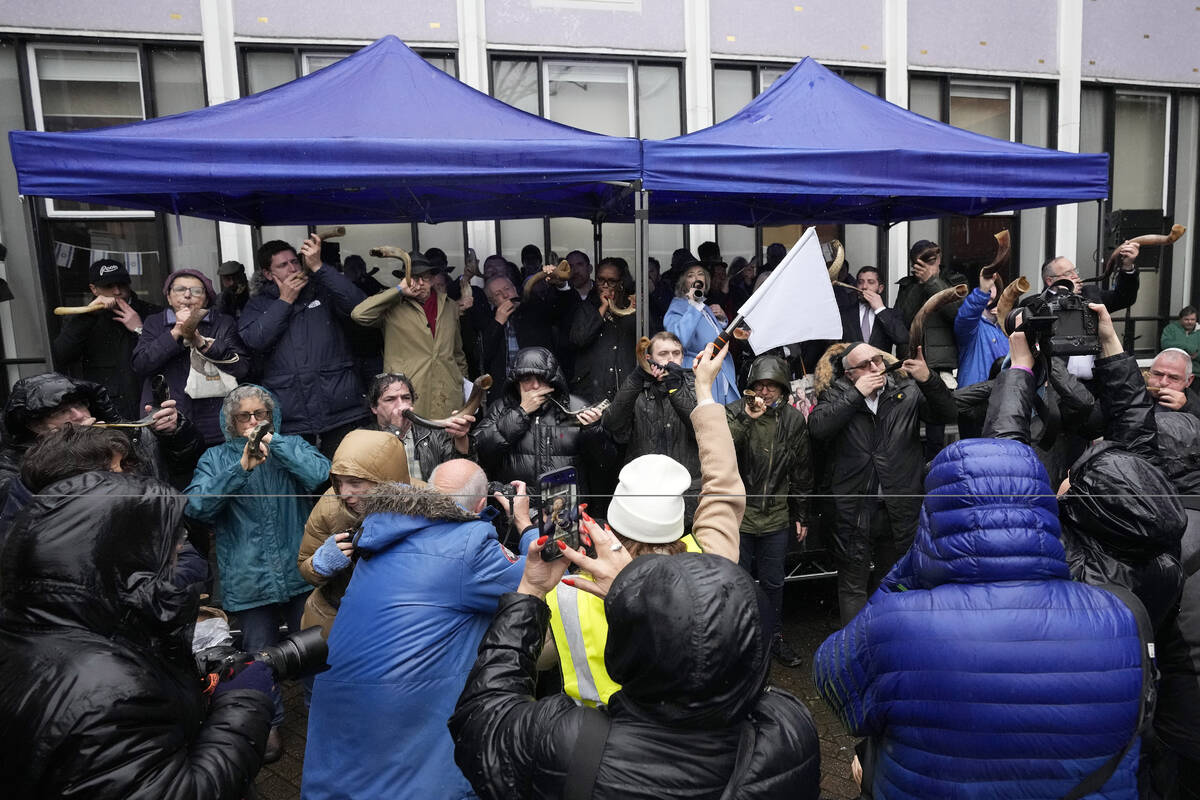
(814, 148)
(380, 136)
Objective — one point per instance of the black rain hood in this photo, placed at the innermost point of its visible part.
(38, 395)
(540, 362)
(97, 551)
(1179, 452)
(685, 639)
(1123, 503)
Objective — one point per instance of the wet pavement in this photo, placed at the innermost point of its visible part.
(810, 615)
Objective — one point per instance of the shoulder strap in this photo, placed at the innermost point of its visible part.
(586, 755)
(1095, 781)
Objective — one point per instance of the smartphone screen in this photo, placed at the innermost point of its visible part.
(559, 521)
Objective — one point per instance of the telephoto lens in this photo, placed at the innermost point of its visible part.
(296, 656)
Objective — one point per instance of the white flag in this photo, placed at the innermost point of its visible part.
(795, 303)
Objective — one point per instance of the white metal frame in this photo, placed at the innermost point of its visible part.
(35, 94)
(630, 97)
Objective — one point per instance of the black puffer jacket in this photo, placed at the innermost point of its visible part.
(686, 643)
(651, 416)
(1121, 520)
(513, 445)
(867, 452)
(99, 695)
(169, 458)
(1179, 637)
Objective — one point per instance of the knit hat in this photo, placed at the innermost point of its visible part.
(647, 505)
(191, 273)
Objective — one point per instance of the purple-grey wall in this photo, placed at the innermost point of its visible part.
(1013, 36)
(1152, 42)
(836, 30)
(657, 25)
(133, 16)
(424, 21)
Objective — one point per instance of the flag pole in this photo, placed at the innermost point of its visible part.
(724, 336)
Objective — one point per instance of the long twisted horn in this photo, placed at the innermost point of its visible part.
(839, 259)
(1145, 240)
(1008, 299)
(389, 251)
(478, 391)
(562, 272)
(917, 330)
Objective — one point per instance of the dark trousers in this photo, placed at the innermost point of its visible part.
(762, 556)
(260, 628)
(872, 552)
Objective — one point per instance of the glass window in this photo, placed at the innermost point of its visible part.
(77, 89)
(1139, 150)
(925, 97)
(733, 88)
(267, 69)
(178, 80)
(594, 96)
(983, 108)
(516, 233)
(768, 76)
(316, 61)
(76, 243)
(516, 82)
(659, 115)
(449, 236)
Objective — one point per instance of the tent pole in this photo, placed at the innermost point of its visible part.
(641, 264)
(596, 237)
(1100, 240)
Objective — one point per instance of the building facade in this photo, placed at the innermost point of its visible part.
(1079, 75)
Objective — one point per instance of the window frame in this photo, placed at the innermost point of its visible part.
(35, 98)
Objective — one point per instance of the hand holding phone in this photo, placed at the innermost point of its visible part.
(559, 521)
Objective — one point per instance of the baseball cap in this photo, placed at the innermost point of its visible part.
(230, 268)
(107, 272)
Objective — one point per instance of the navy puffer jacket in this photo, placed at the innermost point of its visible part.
(984, 670)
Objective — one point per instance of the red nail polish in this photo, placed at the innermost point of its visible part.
(587, 540)
(569, 581)
(586, 518)
(561, 545)
(541, 541)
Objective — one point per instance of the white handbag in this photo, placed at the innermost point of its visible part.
(205, 378)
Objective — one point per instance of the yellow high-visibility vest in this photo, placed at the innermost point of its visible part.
(580, 630)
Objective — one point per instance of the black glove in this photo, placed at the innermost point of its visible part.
(674, 377)
(257, 676)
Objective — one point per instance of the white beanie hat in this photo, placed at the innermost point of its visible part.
(647, 505)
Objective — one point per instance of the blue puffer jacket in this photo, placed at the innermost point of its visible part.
(303, 351)
(984, 670)
(258, 515)
(405, 639)
(696, 328)
(980, 341)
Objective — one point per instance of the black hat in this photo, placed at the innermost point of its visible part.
(921, 247)
(107, 272)
(230, 268)
(437, 257)
(420, 265)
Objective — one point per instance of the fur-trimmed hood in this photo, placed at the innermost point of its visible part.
(395, 510)
(823, 375)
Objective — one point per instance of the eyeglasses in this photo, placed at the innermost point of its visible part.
(608, 281)
(878, 361)
(1071, 273)
(261, 415)
(194, 291)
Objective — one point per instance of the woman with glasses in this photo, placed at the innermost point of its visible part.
(169, 338)
(257, 503)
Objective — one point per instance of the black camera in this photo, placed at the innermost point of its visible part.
(506, 489)
(698, 291)
(1058, 322)
(296, 656)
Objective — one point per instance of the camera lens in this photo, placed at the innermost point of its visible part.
(295, 656)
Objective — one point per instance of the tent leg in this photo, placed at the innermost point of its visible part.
(1100, 239)
(641, 264)
(597, 236)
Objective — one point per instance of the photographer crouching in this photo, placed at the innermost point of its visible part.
(99, 695)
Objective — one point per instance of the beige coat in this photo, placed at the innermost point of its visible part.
(433, 362)
(718, 519)
(371, 455)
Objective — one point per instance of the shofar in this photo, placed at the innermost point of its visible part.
(478, 391)
(562, 272)
(1008, 299)
(916, 331)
